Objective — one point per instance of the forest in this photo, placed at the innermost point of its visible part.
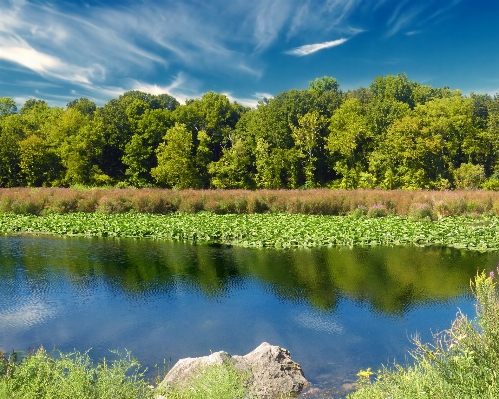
(396, 134)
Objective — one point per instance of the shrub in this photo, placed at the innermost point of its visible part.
(26, 207)
(491, 184)
(377, 211)
(421, 212)
(191, 205)
(359, 211)
(257, 205)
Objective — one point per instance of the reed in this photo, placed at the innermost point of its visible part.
(416, 204)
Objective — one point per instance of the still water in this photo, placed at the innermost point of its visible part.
(337, 310)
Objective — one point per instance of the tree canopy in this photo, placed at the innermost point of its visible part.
(394, 134)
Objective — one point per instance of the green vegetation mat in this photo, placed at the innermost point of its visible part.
(266, 230)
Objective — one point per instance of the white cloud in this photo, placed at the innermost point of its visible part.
(27, 314)
(251, 102)
(271, 17)
(312, 48)
(407, 15)
(103, 49)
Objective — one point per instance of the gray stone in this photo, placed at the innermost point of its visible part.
(272, 372)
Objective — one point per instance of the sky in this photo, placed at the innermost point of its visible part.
(247, 49)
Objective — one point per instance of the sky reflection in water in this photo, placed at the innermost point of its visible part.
(337, 310)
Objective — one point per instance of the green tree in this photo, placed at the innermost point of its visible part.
(83, 105)
(308, 137)
(268, 131)
(39, 165)
(390, 88)
(469, 176)
(212, 120)
(176, 166)
(81, 154)
(7, 106)
(119, 119)
(321, 85)
(451, 119)
(410, 157)
(139, 155)
(233, 169)
(11, 133)
(349, 142)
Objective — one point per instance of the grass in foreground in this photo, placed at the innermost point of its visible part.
(462, 363)
(73, 376)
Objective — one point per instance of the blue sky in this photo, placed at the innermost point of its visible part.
(62, 50)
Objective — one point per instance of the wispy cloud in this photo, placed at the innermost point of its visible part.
(100, 49)
(407, 15)
(312, 48)
(270, 19)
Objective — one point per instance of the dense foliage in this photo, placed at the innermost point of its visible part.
(395, 134)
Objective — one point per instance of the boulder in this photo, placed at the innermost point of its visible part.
(271, 371)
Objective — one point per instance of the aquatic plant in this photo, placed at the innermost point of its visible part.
(266, 230)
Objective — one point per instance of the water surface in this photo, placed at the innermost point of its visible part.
(337, 310)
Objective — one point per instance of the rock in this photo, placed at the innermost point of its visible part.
(272, 372)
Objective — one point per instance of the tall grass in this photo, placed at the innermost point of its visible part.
(416, 204)
(463, 362)
(71, 376)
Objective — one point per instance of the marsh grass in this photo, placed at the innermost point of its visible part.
(462, 362)
(434, 204)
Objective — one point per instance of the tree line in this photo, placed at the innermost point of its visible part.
(396, 134)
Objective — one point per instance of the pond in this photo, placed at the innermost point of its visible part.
(337, 310)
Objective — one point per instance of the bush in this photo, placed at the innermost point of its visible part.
(377, 211)
(421, 212)
(153, 204)
(359, 211)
